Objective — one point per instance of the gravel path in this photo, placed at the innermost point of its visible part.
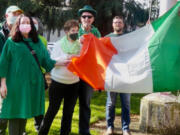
(100, 126)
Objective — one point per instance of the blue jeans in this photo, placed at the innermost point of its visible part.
(110, 109)
(85, 94)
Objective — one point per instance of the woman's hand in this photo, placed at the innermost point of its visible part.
(62, 62)
(3, 89)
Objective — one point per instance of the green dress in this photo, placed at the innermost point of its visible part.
(25, 84)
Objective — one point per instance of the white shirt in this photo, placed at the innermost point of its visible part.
(60, 73)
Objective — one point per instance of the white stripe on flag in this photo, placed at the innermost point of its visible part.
(130, 69)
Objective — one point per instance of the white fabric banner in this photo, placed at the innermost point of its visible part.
(130, 71)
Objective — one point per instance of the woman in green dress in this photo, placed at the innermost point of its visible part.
(22, 83)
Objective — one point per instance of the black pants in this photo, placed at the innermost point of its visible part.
(57, 93)
(37, 122)
(85, 94)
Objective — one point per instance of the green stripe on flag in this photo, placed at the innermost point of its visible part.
(164, 50)
(157, 23)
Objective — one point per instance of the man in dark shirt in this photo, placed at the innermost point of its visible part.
(11, 14)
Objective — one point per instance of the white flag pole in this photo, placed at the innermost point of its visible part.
(150, 6)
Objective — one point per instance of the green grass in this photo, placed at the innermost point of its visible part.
(97, 113)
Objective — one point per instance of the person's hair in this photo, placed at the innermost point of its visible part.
(16, 34)
(118, 17)
(70, 24)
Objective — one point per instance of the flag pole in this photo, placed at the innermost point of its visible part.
(149, 5)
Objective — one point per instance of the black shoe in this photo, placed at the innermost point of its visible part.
(85, 134)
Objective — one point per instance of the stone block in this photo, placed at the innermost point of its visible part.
(160, 113)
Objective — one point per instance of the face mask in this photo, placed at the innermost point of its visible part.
(74, 36)
(25, 28)
(36, 26)
(11, 19)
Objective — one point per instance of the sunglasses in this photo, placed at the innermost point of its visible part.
(86, 16)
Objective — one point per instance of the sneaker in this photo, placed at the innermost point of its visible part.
(109, 131)
(24, 133)
(126, 132)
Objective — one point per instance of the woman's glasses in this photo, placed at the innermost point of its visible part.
(86, 16)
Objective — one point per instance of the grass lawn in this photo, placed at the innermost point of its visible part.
(97, 112)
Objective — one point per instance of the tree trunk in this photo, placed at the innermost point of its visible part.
(48, 35)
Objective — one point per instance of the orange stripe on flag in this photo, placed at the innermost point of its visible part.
(93, 61)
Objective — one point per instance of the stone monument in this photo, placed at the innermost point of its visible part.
(160, 113)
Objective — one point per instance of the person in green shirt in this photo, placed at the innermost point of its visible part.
(22, 82)
(39, 28)
(87, 16)
(12, 12)
(118, 30)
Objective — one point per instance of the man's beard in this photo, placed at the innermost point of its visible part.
(118, 30)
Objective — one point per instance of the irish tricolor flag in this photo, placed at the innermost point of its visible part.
(144, 61)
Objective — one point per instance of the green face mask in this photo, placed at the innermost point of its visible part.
(73, 36)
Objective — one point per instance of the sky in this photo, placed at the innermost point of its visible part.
(146, 2)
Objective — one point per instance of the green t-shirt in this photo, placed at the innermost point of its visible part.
(43, 39)
(94, 31)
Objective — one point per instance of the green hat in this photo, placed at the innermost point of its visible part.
(87, 8)
(13, 8)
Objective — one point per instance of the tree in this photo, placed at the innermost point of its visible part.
(54, 13)
(133, 12)
(154, 13)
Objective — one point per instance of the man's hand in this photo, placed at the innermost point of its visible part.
(148, 21)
